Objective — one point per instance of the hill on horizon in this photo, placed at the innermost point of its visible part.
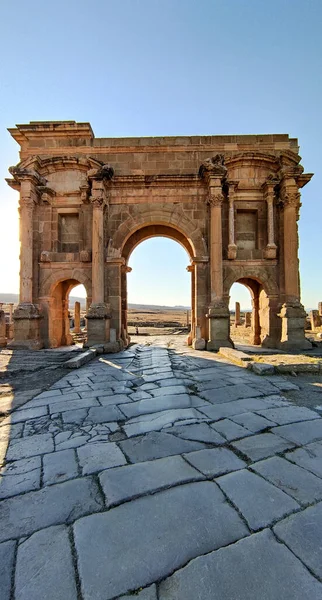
(6, 298)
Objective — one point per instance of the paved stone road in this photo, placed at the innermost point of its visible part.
(165, 473)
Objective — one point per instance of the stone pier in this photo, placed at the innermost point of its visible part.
(237, 314)
(315, 319)
(3, 339)
(77, 308)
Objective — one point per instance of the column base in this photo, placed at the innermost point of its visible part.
(199, 344)
(98, 324)
(219, 327)
(232, 251)
(270, 251)
(293, 318)
(26, 319)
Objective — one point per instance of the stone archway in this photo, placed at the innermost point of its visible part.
(53, 303)
(118, 266)
(265, 324)
(232, 201)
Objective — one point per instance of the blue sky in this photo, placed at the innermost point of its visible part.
(165, 67)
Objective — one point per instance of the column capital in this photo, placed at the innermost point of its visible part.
(213, 169)
(215, 198)
(269, 187)
(100, 193)
(232, 189)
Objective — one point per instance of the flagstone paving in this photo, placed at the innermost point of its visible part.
(161, 473)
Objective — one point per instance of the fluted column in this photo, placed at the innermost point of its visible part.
(269, 194)
(232, 248)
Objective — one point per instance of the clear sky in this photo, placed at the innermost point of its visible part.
(165, 67)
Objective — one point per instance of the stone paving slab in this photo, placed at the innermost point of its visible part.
(289, 414)
(301, 433)
(157, 445)
(254, 568)
(236, 407)
(52, 505)
(302, 485)
(309, 457)
(261, 446)
(44, 567)
(252, 422)
(59, 466)
(97, 456)
(200, 432)
(31, 446)
(15, 480)
(22, 415)
(230, 430)
(259, 502)
(215, 461)
(144, 407)
(159, 420)
(302, 534)
(230, 393)
(58, 407)
(125, 483)
(7, 555)
(154, 535)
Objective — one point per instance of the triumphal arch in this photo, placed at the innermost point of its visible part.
(85, 203)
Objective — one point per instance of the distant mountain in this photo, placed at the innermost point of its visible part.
(7, 298)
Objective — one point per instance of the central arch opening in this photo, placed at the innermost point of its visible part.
(156, 287)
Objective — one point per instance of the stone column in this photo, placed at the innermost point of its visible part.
(232, 248)
(237, 314)
(315, 320)
(3, 339)
(191, 334)
(248, 319)
(320, 308)
(26, 316)
(292, 313)
(199, 303)
(269, 194)
(256, 329)
(77, 308)
(11, 305)
(219, 334)
(124, 332)
(98, 316)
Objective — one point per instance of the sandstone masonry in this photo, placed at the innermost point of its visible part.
(85, 203)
